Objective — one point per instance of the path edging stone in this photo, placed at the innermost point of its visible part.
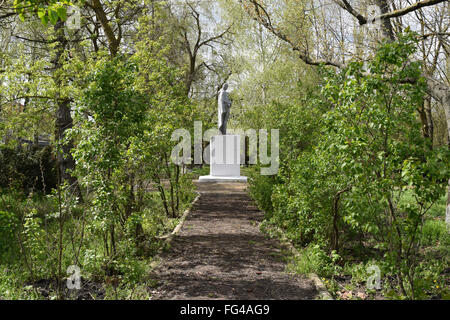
(198, 263)
(168, 237)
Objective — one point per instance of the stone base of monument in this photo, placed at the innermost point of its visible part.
(210, 178)
(225, 156)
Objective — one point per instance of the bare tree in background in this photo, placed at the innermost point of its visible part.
(195, 37)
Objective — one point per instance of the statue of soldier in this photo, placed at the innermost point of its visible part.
(224, 105)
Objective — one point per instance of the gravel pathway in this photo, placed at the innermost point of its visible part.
(221, 254)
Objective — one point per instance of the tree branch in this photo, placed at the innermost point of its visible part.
(392, 14)
(408, 9)
(347, 7)
(101, 15)
(215, 37)
(264, 19)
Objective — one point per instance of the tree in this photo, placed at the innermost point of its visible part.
(195, 37)
(438, 90)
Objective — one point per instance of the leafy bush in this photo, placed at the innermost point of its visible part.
(8, 228)
(313, 259)
(261, 189)
(370, 178)
(27, 169)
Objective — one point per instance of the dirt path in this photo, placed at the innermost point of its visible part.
(221, 254)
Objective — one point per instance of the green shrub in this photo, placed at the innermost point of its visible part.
(313, 259)
(369, 178)
(261, 189)
(8, 227)
(438, 209)
(27, 168)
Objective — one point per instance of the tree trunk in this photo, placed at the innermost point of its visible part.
(446, 104)
(386, 23)
(113, 40)
(430, 119)
(441, 92)
(335, 212)
(424, 120)
(64, 119)
(177, 187)
(162, 194)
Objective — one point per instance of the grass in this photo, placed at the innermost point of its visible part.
(39, 236)
(435, 232)
(434, 229)
(199, 171)
(350, 272)
(436, 211)
(204, 171)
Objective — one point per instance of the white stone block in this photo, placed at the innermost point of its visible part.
(225, 159)
(225, 155)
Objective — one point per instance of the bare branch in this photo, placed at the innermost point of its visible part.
(264, 19)
(392, 14)
(216, 37)
(346, 6)
(408, 9)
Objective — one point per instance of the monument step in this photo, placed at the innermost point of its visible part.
(210, 178)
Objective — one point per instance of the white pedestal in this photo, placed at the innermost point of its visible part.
(224, 159)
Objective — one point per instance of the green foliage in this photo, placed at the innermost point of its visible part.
(313, 259)
(8, 228)
(116, 119)
(12, 285)
(438, 209)
(52, 10)
(261, 189)
(435, 231)
(133, 106)
(33, 244)
(357, 183)
(369, 179)
(27, 169)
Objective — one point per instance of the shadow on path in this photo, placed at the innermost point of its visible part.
(221, 254)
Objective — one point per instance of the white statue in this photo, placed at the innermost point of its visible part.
(224, 104)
